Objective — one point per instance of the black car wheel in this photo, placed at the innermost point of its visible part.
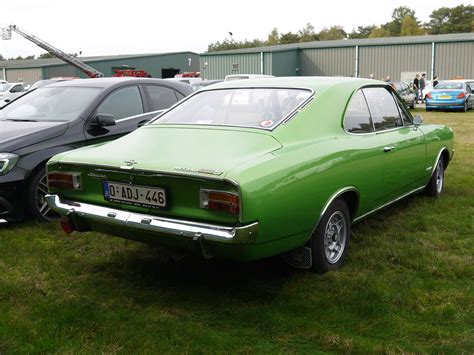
(331, 238)
(37, 190)
(436, 184)
(465, 106)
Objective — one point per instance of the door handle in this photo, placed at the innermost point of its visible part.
(388, 148)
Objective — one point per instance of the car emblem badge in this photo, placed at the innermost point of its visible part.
(128, 164)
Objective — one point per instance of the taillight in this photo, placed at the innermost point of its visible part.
(64, 180)
(428, 95)
(220, 201)
(461, 96)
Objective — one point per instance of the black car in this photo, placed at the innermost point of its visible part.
(64, 116)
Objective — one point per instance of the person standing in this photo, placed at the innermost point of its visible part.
(422, 86)
(416, 86)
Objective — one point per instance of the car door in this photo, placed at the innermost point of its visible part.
(127, 108)
(14, 92)
(403, 144)
(367, 162)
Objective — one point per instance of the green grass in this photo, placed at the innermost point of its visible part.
(406, 287)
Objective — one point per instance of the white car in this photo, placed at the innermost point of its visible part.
(10, 91)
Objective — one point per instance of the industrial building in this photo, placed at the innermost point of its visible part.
(446, 56)
(158, 65)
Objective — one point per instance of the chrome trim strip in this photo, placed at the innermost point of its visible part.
(333, 197)
(141, 114)
(246, 234)
(437, 158)
(387, 204)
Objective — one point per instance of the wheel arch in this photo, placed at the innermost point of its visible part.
(349, 194)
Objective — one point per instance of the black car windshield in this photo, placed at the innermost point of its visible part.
(247, 107)
(447, 86)
(50, 104)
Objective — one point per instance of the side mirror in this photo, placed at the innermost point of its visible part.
(103, 119)
(417, 120)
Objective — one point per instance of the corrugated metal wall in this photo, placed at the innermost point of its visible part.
(24, 75)
(391, 60)
(454, 60)
(151, 64)
(1, 74)
(285, 63)
(218, 66)
(61, 70)
(327, 61)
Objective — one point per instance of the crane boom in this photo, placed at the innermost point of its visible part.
(88, 70)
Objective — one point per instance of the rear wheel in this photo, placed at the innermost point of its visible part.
(37, 190)
(436, 184)
(330, 240)
(465, 106)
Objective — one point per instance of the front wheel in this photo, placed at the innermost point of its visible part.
(436, 184)
(37, 190)
(330, 240)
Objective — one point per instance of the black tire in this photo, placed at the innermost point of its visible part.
(329, 250)
(465, 106)
(36, 191)
(413, 105)
(436, 184)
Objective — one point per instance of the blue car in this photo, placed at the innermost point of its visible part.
(451, 95)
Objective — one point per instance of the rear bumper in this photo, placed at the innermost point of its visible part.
(83, 214)
(445, 103)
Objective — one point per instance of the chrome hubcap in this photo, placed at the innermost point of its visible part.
(335, 237)
(439, 177)
(41, 204)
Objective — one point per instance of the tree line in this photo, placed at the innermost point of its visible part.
(459, 19)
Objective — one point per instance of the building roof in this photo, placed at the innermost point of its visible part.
(453, 37)
(36, 63)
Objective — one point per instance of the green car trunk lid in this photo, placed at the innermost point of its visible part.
(181, 160)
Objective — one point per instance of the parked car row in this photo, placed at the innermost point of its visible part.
(242, 169)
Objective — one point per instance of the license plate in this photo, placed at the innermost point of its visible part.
(134, 195)
(444, 96)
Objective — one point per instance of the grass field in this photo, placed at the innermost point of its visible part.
(407, 286)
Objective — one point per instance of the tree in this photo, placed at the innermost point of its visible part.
(458, 19)
(1, 57)
(379, 32)
(410, 27)
(307, 34)
(361, 32)
(332, 33)
(45, 55)
(398, 14)
(273, 38)
(289, 37)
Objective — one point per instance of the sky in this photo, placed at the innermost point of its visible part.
(141, 26)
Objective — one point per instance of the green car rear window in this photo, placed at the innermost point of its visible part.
(261, 108)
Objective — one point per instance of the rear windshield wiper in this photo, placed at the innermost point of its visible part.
(20, 120)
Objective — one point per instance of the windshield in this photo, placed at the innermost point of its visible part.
(449, 86)
(50, 104)
(4, 87)
(248, 107)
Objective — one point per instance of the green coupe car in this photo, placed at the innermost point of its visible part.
(250, 169)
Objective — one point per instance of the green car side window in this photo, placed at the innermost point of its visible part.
(357, 118)
(383, 109)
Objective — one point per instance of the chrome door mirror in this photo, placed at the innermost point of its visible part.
(417, 120)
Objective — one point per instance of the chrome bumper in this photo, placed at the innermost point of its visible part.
(246, 234)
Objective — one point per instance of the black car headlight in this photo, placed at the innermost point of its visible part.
(7, 162)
